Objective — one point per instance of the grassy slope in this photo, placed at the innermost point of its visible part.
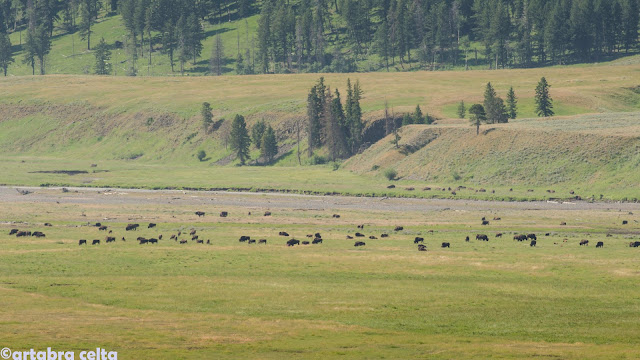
(86, 119)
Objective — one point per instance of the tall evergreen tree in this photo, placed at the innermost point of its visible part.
(257, 132)
(512, 104)
(477, 116)
(217, 56)
(6, 54)
(207, 116)
(462, 110)
(334, 117)
(240, 140)
(315, 113)
(269, 144)
(544, 102)
(494, 106)
(103, 55)
(418, 117)
(88, 14)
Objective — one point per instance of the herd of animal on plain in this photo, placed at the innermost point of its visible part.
(317, 238)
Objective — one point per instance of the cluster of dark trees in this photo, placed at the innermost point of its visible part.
(332, 124)
(332, 36)
(524, 33)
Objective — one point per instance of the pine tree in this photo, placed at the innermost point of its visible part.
(407, 119)
(103, 55)
(217, 57)
(257, 132)
(269, 144)
(6, 55)
(207, 116)
(462, 110)
(334, 117)
(512, 104)
(494, 106)
(88, 15)
(544, 102)
(477, 116)
(355, 123)
(417, 117)
(240, 140)
(315, 113)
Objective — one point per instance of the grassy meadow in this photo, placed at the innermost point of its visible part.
(496, 299)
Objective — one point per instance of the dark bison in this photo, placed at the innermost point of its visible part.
(372, 237)
(418, 240)
(224, 214)
(624, 222)
(317, 241)
(482, 237)
(466, 239)
(634, 244)
(200, 213)
(47, 224)
(359, 243)
(317, 235)
(599, 244)
(183, 241)
(194, 237)
(283, 233)
(109, 239)
(132, 227)
(141, 238)
(305, 243)
(359, 234)
(398, 228)
(23, 233)
(243, 238)
(160, 237)
(151, 225)
(153, 241)
(202, 241)
(173, 237)
(143, 241)
(261, 241)
(533, 243)
(38, 234)
(293, 242)
(485, 222)
(13, 231)
(532, 237)
(336, 216)
(349, 237)
(82, 242)
(422, 247)
(584, 242)
(267, 213)
(497, 219)
(361, 226)
(95, 242)
(98, 225)
(192, 232)
(547, 234)
(445, 245)
(499, 235)
(384, 235)
(563, 223)
(520, 237)
(103, 228)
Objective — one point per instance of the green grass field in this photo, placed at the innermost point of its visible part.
(500, 299)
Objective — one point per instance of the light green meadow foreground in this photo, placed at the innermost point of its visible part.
(231, 299)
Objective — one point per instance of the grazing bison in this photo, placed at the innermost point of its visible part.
(82, 242)
(336, 216)
(599, 244)
(317, 235)
(391, 186)
(309, 235)
(173, 237)
(634, 244)
(398, 228)
(123, 239)
(141, 238)
(418, 240)
(243, 238)
(143, 241)
(482, 237)
(23, 233)
(485, 222)
(109, 239)
(261, 241)
(293, 242)
(445, 245)
(317, 241)
(208, 242)
(499, 235)
(384, 235)
(13, 231)
(349, 237)
(305, 243)
(38, 234)
(95, 242)
(283, 233)
(98, 224)
(497, 219)
(160, 237)
(202, 241)
(224, 214)
(183, 241)
(532, 237)
(563, 223)
(533, 243)
(624, 222)
(361, 227)
(192, 232)
(194, 237)
(47, 224)
(153, 241)
(520, 237)
(584, 242)
(359, 243)
(466, 239)
(359, 234)
(547, 234)
(151, 225)
(372, 237)
(103, 228)
(132, 227)
(422, 247)
(200, 213)
(267, 213)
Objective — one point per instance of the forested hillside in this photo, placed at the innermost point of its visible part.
(159, 37)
